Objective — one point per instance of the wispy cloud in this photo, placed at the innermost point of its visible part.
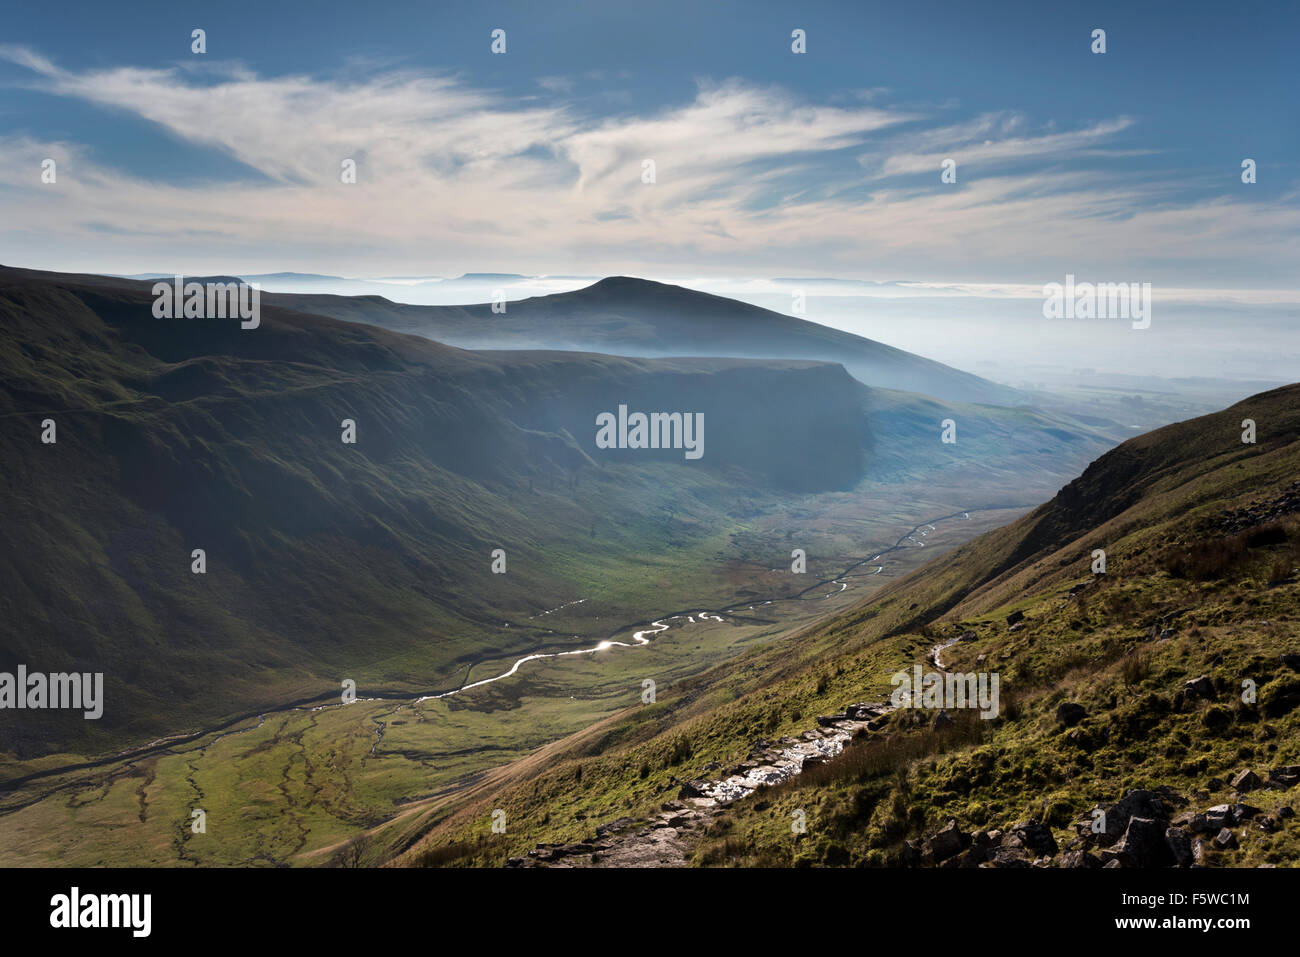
(749, 178)
(994, 140)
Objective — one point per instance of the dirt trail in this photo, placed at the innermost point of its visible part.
(668, 837)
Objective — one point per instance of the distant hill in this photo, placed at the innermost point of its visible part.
(628, 316)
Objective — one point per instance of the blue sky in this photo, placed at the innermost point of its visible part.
(1119, 167)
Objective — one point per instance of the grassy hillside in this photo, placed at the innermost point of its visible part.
(328, 559)
(372, 561)
(1199, 597)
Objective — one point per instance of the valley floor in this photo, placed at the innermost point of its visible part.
(292, 785)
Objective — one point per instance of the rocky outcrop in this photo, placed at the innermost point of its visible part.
(1144, 844)
(1284, 777)
(1260, 513)
(945, 844)
(1145, 828)
(1106, 823)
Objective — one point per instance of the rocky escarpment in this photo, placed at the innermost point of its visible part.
(1262, 512)
(1144, 828)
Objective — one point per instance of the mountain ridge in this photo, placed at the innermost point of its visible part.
(628, 315)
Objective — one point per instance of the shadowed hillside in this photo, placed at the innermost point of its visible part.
(372, 560)
(327, 558)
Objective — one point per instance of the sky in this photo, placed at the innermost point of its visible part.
(1123, 166)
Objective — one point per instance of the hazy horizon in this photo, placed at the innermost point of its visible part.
(1001, 336)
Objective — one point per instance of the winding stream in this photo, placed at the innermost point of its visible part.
(639, 638)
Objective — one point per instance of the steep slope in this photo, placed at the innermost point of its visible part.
(372, 561)
(629, 316)
(324, 559)
(1160, 693)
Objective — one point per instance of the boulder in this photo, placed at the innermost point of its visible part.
(1015, 617)
(1180, 845)
(1218, 817)
(1245, 780)
(971, 857)
(1144, 844)
(1154, 805)
(1035, 836)
(693, 789)
(1280, 779)
(1081, 858)
(1198, 852)
(911, 853)
(1008, 857)
(619, 824)
(1225, 839)
(1201, 687)
(863, 711)
(1070, 713)
(948, 842)
(1243, 812)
